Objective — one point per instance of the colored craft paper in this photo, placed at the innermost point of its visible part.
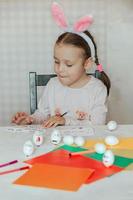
(130, 167)
(90, 143)
(124, 143)
(123, 152)
(54, 176)
(61, 157)
(71, 148)
(119, 160)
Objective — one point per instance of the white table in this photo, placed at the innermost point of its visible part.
(116, 187)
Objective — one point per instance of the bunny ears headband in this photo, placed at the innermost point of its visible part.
(78, 28)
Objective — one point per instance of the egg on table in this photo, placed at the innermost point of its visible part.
(55, 136)
(28, 148)
(68, 140)
(111, 140)
(108, 158)
(112, 125)
(100, 148)
(79, 141)
(38, 137)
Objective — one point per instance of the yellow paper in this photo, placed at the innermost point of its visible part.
(124, 143)
(123, 152)
(91, 143)
(130, 167)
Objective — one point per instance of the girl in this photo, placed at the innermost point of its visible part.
(73, 97)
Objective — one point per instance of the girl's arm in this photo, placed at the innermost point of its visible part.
(99, 108)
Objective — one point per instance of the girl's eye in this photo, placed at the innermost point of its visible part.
(56, 62)
(69, 65)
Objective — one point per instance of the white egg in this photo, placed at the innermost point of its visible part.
(28, 148)
(38, 137)
(111, 140)
(55, 136)
(68, 140)
(79, 141)
(112, 125)
(108, 158)
(100, 148)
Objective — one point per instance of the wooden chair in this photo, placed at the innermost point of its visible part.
(36, 80)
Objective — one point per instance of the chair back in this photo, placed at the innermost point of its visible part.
(36, 80)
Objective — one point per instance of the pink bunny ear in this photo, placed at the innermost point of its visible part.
(83, 23)
(58, 15)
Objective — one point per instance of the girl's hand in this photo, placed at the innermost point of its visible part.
(22, 118)
(54, 121)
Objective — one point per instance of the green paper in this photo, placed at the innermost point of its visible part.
(119, 160)
(122, 161)
(71, 148)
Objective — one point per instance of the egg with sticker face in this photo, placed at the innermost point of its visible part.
(55, 136)
(38, 137)
(28, 148)
(108, 158)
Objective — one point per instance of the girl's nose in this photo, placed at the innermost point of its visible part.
(61, 68)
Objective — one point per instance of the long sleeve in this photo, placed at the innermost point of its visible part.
(99, 109)
(43, 111)
(73, 122)
(85, 105)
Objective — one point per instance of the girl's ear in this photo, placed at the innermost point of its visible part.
(88, 63)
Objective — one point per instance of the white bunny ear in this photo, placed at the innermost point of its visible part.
(83, 23)
(58, 15)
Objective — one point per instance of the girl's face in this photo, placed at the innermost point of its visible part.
(69, 65)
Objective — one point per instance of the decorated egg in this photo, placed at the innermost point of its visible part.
(108, 158)
(28, 148)
(112, 125)
(38, 138)
(111, 140)
(68, 139)
(100, 148)
(79, 141)
(55, 136)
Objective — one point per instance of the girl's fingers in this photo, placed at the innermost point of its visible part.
(45, 124)
(18, 115)
(29, 120)
(48, 124)
(53, 122)
(56, 124)
(21, 120)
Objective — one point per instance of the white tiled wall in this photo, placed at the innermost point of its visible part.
(27, 35)
(120, 59)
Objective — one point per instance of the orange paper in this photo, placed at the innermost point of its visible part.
(55, 176)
